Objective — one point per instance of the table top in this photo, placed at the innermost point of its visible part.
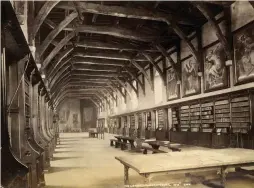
(175, 161)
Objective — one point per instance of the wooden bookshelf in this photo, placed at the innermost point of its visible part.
(161, 117)
(140, 120)
(185, 118)
(132, 126)
(207, 116)
(195, 117)
(27, 101)
(175, 119)
(222, 115)
(149, 120)
(240, 113)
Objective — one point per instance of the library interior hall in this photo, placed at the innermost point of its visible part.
(119, 94)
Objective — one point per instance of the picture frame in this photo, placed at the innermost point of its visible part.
(215, 69)
(173, 88)
(191, 82)
(243, 41)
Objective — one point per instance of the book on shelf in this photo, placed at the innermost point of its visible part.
(240, 104)
(207, 104)
(239, 99)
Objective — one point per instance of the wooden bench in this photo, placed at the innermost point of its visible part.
(145, 149)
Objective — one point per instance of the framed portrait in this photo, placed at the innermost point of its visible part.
(190, 78)
(244, 54)
(215, 70)
(172, 86)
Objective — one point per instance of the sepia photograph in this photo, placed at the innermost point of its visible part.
(121, 94)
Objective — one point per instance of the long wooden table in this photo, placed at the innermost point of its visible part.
(187, 162)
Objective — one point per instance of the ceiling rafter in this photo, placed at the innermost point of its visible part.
(157, 68)
(41, 16)
(113, 56)
(125, 12)
(123, 85)
(110, 46)
(53, 70)
(141, 69)
(51, 36)
(142, 85)
(60, 45)
(170, 60)
(211, 19)
(116, 32)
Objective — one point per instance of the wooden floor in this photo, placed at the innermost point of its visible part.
(82, 162)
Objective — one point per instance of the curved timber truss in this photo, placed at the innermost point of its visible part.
(94, 50)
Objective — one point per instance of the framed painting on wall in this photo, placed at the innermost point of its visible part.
(215, 70)
(172, 86)
(190, 78)
(244, 54)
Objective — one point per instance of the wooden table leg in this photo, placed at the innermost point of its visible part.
(223, 174)
(132, 145)
(147, 178)
(156, 147)
(126, 175)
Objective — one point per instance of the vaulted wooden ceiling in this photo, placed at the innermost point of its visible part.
(88, 49)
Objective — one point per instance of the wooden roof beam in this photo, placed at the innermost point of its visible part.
(111, 46)
(125, 12)
(60, 75)
(120, 91)
(114, 56)
(158, 69)
(211, 19)
(79, 11)
(54, 70)
(110, 93)
(93, 61)
(60, 57)
(41, 16)
(142, 85)
(60, 45)
(123, 85)
(50, 23)
(116, 32)
(133, 62)
(170, 60)
(51, 36)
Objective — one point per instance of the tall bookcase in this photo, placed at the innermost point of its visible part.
(175, 119)
(241, 113)
(27, 102)
(132, 126)
(161, 122)
(195, 119)
(185, 118)
(207, 116)
(222, 115)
